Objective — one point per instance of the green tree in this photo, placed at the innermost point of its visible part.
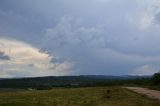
(156, 78)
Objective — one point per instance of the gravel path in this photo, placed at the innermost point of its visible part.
(150, 93)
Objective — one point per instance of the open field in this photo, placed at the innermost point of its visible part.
(94, 96)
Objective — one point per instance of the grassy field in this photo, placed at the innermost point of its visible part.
(76, 97)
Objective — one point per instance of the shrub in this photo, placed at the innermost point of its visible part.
(156, 78)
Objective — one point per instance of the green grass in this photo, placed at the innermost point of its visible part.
(94, 96)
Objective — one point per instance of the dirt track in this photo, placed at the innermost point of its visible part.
(150, 93)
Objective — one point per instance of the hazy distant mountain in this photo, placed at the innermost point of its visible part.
(122, 77)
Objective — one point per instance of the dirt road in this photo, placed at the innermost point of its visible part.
(150, 93)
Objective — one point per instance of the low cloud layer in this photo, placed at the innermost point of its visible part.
(108, 37)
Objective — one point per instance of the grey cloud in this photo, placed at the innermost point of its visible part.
(57, 60)
(3, 56)
(89, 49)
(64, 33)
(157, 18)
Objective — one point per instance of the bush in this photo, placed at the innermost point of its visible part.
(156, 78)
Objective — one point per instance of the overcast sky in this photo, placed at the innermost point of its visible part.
(79, 37)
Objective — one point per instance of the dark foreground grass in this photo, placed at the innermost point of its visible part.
(77, 97)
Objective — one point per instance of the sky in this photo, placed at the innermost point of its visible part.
(79, 37)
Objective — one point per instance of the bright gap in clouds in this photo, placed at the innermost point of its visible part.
(19, 59)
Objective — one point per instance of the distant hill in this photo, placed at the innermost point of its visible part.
(122, 77)
(66, 81)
